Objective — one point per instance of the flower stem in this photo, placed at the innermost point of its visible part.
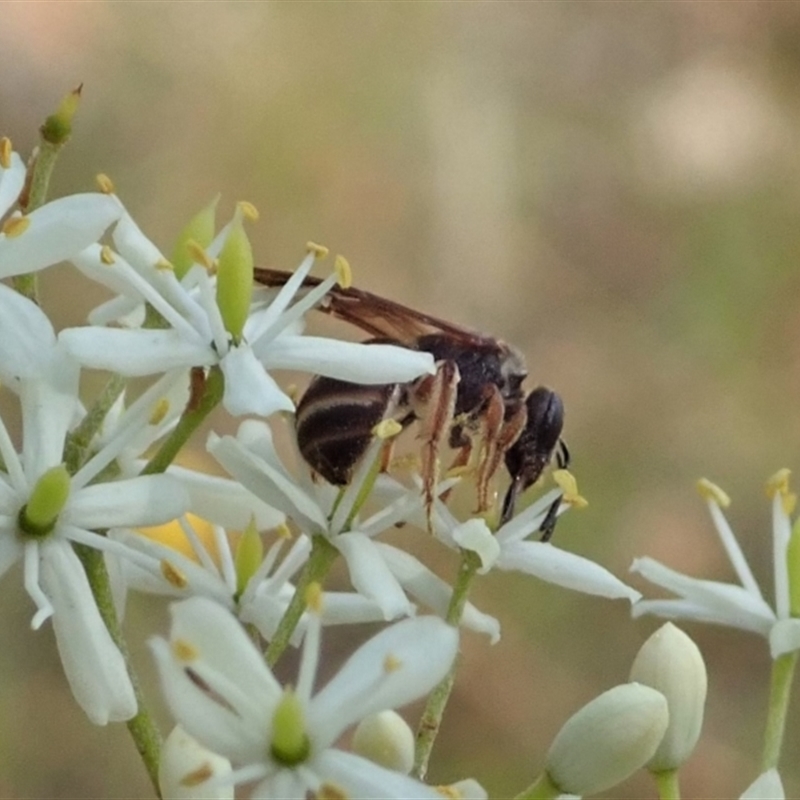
(780, 689)
(541, 789)
(78, 441)
(142, 727)
(668, 784)
(206, 395)
(431, 719)
(322, 556)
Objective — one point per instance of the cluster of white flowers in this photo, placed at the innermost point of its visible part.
(94, 476)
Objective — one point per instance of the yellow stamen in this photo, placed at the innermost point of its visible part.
(198, 776)
(344, 275)
(711, 492)
(319, 250)
(314, 597)
(173, 576)
(391, 663)
(198, 253)
(163, 265)
(387, 428)
(779, 484)
(249, 211)
(160, 410)
(5, 152)
(565, 480)
(104, 183)
(184, 651)
(15, 225)
(107, 255)
(283, 531)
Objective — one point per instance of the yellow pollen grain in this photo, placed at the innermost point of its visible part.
(5, 152)
(173, 576)
(344, 274)
(329, 791)
(107, 255)
(318, 250)
(249, 211)
(711, 492)
(164, 265)
(15, 226)
(387, 428)
(565, 481)
(160, 410)
(198, 776)
(314, 597)
(450, 792)
(391, 663)
(184, 651)
(283, 531)
(104, 183)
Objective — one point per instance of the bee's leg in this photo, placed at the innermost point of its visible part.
(462, 442)
(434, 400)
(499, 435)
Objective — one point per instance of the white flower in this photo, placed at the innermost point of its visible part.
(380, 572)
(219, 689)
(767, 786)
(186, 769)
(509, 548)
(54, 232)
(736, 605)
(197, 336)
(43, 511)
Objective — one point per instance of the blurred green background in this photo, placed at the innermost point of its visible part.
(614, 187)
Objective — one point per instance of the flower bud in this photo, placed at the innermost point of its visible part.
(385, 739)
(670, 662)
(49, 496)
(57, 128)
(608, 739)
(186, 767)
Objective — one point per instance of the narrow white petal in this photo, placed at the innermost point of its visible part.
(10, 550)
(370, 575)
(731, 545)
(551, 564)
(784, 637)
(183, 756)
(128, 503)
(400, 664)
(26, 336)
(135, 352)
(249, 389)
(725, 602)
(57, 231)
(529, 520)
(93, 665)
(362, 780)
(781, 533)
(474, 535)
(12, 179)
(347, 361)
(767, 786)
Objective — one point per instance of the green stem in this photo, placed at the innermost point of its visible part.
(142, 727)
(431, 719)
(322, 556)
(541, 789)
(78, 440)
(196, 411)
(668, 784)
(780, 689)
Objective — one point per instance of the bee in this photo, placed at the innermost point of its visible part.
(474, 398)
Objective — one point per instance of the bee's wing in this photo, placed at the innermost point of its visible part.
(374, 314)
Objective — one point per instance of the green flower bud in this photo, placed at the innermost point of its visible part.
(49, 496)
(386, 739)
(608, 739)
(290, 744)
(58, 126)
(200, 230)
(670, 662)
(235, 278)
(249, 555)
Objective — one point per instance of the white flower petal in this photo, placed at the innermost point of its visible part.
(346, 361)
(93, 665)
(766, 786)
(474, 535)
(403, 662)
(551, 564)
(724, 603)
(12, 179)
(249, 389)
(370, 575)
(362, 780)
(26, 336)
(784, 637)
(57, 231)
(128, 503)
(183, 756)
(135, 352)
